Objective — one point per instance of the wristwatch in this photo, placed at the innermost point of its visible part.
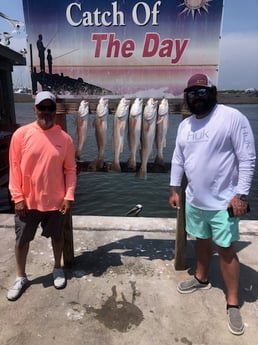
(243, 197)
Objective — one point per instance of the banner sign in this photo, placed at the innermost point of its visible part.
(121, 48)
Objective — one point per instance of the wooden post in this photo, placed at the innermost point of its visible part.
(180, 245)
(68, 252)
(181, 238)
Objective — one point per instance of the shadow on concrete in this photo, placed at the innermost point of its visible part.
(46, 281)
(98, 261)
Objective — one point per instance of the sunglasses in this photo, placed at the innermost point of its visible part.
(42, 107)
(198, 92)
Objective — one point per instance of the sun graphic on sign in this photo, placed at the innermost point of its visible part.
(191, 6)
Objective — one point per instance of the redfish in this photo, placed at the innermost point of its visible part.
(161, 130)
(134, 131)
(100, 124)
(119, 131)
(82, 126)
(148, 134)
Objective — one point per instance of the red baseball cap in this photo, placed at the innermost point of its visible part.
(199, 80)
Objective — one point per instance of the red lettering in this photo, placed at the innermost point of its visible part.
(151, 45)
(114, 46)
(98, 38)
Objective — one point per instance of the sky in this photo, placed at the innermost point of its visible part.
(238, 63)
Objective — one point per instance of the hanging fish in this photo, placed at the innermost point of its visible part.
(119, 131)
(100, 124)
(134, 131)
(148, 134)
(161, 130)
(82, 126)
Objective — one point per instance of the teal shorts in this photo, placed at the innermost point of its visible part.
(217, 225)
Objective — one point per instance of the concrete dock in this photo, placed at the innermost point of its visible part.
(121, 289)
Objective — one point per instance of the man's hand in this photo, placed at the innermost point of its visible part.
(20, 208)
(174, 200)
(239, 206)
(65, 207)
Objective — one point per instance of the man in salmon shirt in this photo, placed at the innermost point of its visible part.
(42, 184)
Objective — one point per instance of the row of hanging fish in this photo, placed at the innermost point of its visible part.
(143, 126)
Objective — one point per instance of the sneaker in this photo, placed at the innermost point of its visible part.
(235, 323)
(59, 278)
(17, 289)
(192, 285)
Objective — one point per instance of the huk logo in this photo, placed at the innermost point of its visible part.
(198, 136)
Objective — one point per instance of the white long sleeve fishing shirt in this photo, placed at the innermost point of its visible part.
(217, 154)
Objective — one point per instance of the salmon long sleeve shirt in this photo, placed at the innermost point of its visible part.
(42, 167)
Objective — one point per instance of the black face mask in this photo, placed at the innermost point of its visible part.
(202, 105)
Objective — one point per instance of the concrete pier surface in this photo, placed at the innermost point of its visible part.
(121, 289)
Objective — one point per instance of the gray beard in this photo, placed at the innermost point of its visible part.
(45, 123)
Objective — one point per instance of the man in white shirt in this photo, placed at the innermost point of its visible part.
(215, 149)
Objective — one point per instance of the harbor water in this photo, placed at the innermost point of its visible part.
(113, 194)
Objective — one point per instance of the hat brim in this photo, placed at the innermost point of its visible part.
(195, 87)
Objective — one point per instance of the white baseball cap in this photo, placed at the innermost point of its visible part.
(41, 96)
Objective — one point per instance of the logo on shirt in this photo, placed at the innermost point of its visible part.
(198, 136)
(245, 135)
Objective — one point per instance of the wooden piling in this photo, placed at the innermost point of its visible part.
(180, 245)
(181, 237)
(68, 251)
(65, 107)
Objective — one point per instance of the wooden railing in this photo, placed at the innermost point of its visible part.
(180, 246)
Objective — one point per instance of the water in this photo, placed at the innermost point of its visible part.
(113, 194)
